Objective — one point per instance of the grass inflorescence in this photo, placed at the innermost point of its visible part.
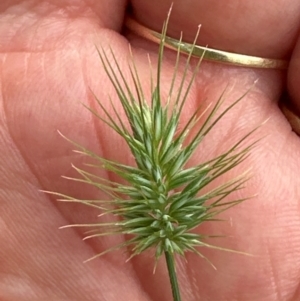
(162, 201)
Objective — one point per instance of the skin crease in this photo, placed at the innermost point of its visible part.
(48, 62)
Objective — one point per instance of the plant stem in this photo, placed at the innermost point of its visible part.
(172, 275)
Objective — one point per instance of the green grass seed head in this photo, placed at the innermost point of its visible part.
(162, 200)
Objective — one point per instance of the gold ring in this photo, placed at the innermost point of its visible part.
(209, 54)
(290, 113)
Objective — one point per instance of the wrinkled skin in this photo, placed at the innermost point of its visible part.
(48, 63)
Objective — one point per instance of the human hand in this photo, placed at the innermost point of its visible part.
(49, 61)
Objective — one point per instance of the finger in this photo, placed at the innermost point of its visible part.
(47, 25)
(265, 28)
(234, 30)
(104, 13)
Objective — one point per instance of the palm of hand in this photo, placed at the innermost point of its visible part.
(46, 72)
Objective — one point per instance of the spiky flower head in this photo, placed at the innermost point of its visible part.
(162, 201)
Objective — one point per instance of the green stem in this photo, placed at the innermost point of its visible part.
(173, 277)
